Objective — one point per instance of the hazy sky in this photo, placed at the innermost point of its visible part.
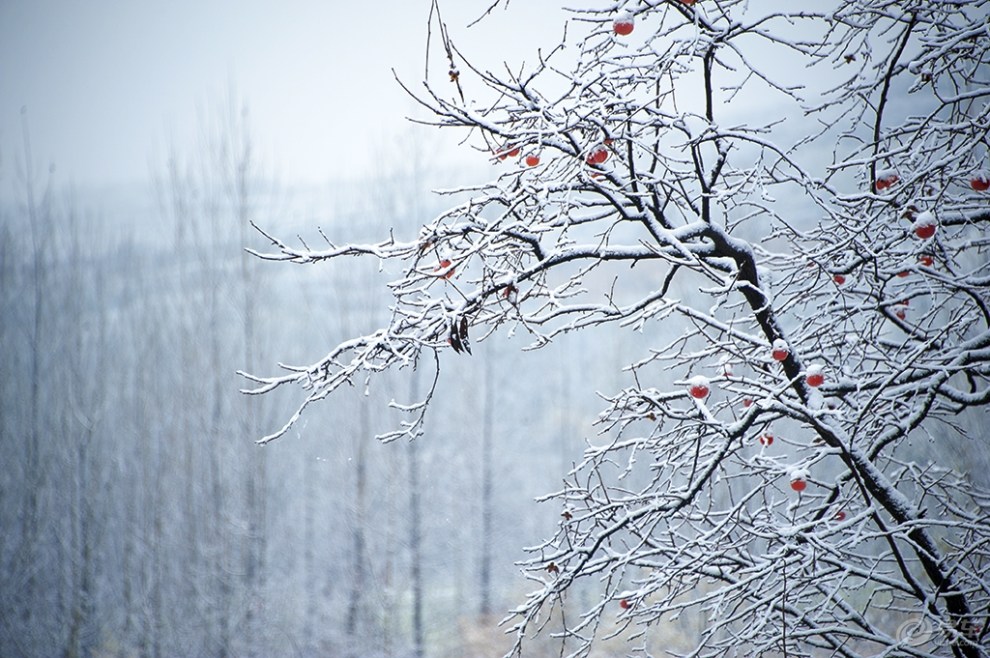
(109, 84)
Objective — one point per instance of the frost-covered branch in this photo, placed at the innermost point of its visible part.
(785, 211)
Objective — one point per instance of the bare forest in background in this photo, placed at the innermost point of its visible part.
(648, 280)
(140, 517)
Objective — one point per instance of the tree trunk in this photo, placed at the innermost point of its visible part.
(415, 535)
(358, 548)
(487, 487)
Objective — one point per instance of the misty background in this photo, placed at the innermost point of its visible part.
(137, 515)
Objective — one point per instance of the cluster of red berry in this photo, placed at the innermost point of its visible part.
(699, 388)
(887, 178)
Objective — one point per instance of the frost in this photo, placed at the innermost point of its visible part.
(699, 190)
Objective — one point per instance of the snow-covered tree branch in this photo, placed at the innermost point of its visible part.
(787, 210)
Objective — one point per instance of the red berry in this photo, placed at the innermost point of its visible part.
(814, 376)
(901, 313)
(980, 182)
(623, 26)
(839, 279)
(766, 439)
(925, 225)
(444, 269)
(625, 604)
(799, 484)
(698, 387)
(926, 259)
(779, 351)
(532, 160)
(687, 2)
(904, 273)
(747, 402)
(840, 515)
(598, 155)
(885, 179)
(508, 152)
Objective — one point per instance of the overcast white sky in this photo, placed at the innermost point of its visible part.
(109, 84)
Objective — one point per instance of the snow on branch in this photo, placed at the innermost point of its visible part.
(784, 211)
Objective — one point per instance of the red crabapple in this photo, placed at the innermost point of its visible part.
(698, 387)
(886, 178)
(925, 225)
(814, 376)
(598, 155)
(444, 269)
(623, 25)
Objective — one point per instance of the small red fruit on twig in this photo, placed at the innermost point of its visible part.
(980, 181)
(698, 387)
(779, 350)
(840, 515)
(598, 155)
(926, 259)
(799, 478)
(839, 279)
(766, 439)
(532, 160)
(925, 225)
(625, 604)
(444, 269)
(508, 152)
(814, 376)
(623, 25)
(747, 402)
(885, 179)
